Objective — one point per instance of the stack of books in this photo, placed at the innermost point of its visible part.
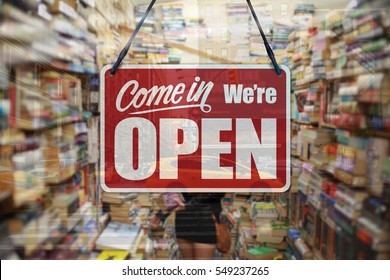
(273, 234)
(256, 45)
(165, 249)
(360, 55)
(280, 34)
(320, 62)
(351, 161)
(373, 94)
(149, 25)
(66, 42)
(256, 221)
(145, 49)
(264, 217)
(143, 206)
(299, 248)
(298, 49)
(263, 211)
(311, 144)
(121, 206)
(238, 22)
(378, 166)
(108, 46)
(308, 100)
(304, 9)
(173, 22)
(245, 232)
(296, 170)
(373, 229)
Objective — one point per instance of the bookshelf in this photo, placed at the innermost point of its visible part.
(49, 202)
(336, 179)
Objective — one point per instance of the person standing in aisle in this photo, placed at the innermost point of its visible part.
(195, 224)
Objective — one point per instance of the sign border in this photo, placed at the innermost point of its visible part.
(189, 66)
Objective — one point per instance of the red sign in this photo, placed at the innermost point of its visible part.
(204, 128)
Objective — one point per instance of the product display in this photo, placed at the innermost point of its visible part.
(339, 139)
(52, 203)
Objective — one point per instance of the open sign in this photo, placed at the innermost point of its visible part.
(204, 128)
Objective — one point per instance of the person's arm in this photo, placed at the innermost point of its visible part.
(162, 216)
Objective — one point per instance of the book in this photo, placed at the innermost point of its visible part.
(279, 246)
(68, 203)
(123, 207)
(143, 199)
(118, 236)
(374, 88)
(245, 210)
(118, 198)
(378, 211)
(378, 151)
(281, 207)
(350, 179)
(113, 255)
(264, 210)
(279, 228)
(10, 135)
(269, 239)
(261, 253)
(28, 160)
(121, 219)
(378, 235)
(121, 214)
(317, 136)
(351, 160)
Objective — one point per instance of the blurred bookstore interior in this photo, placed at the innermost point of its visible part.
(51, 52)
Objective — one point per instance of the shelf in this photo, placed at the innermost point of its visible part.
(70, 67)
(60, 175)
(339, 75)
(27, 196)
(360, 132)
(327, 125)
(10, 136)
(307, 84)
(25, 188)
(27, 125)
(304, 122)
(351, 73)
(46, 84)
